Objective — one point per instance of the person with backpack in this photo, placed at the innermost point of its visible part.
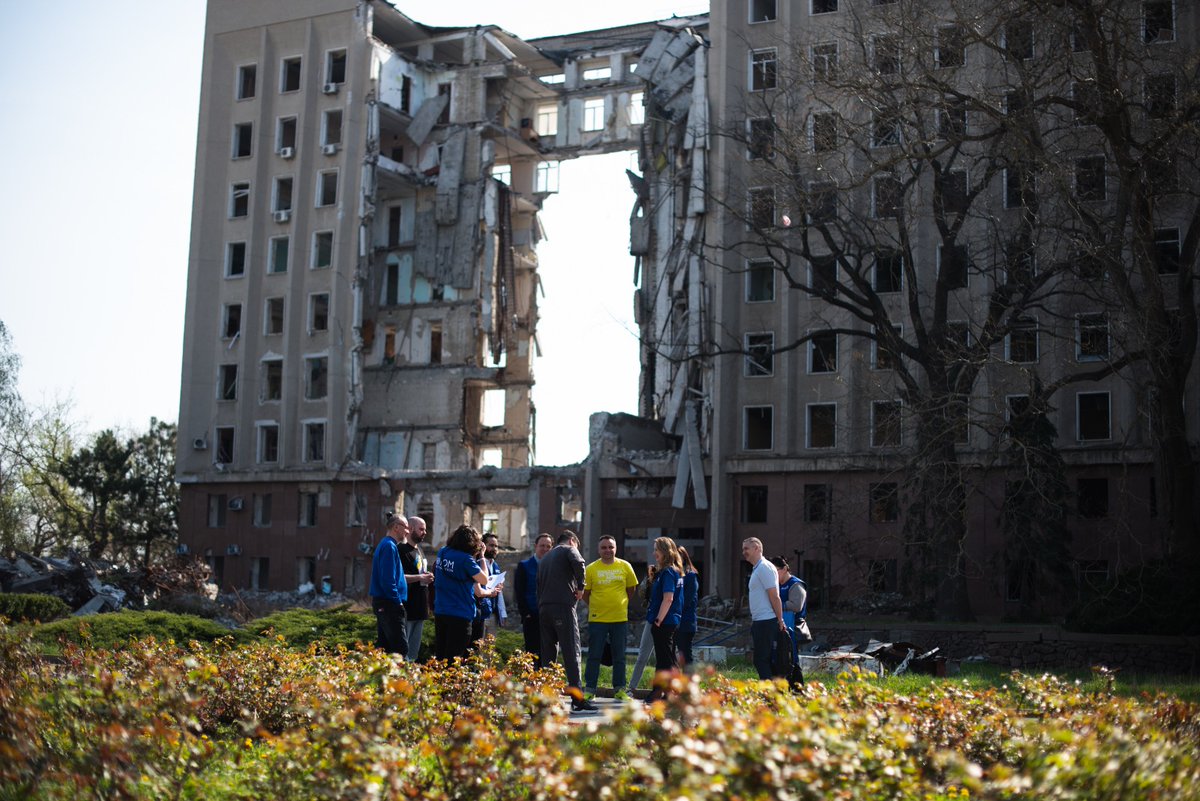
(793, 593)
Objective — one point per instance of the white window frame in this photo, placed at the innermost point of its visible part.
(260, 429)
(325, 117)
(275, 187)
(546, 177)
(239, 80)
(812, 5)
(273, 245)
(546, 119)
(234, 193)
(308, 360)
(748, 364)
(753, 264)
(1079, 419)
(312, 310)
(750, 9)
(229, 258)
(593, 114)
(329, 56)
(267, 332)
(769, 56)
(635, 111)
(314, 258)
(238, 127)
(265, 365)
(808, 410)
(306, 439)
(812, 346)
(283, 62)
(828, 66)
(322, 177)
(1079, 326)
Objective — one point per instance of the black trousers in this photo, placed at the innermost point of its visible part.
(531, 627)
(451, 636)
(391, 626)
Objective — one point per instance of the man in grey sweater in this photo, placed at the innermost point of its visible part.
(559, 588)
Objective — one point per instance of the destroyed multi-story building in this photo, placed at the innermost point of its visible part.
(362, 290)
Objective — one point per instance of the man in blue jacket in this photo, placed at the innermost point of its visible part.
(389, 588)
(526, 594)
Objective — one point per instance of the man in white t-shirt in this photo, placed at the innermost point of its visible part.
(766, 610)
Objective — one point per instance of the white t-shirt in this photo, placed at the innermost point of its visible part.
(764, 579)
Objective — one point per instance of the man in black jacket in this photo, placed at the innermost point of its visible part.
(559, 587)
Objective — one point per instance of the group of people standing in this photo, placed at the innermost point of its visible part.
(467, 586)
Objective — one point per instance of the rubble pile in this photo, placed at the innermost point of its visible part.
(877, 603)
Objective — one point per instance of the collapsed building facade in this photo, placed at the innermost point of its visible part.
(362, 307)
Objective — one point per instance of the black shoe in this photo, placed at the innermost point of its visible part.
(584, 705)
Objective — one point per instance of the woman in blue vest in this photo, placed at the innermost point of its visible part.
(455, 574)
(789, 584)
(687, 622)
(665, 610)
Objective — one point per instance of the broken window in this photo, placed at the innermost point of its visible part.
(951, 46)
(818, 503)
(761, 138)
(760, 282)
(262, 510)
(762, 70)
(823, 352)
(885, 54)
(247, 80)
(277, 260)
(314, 442)
(318, 312)
(216, 510)
(887, 195)
(637, 108)
(824, 58)
(1089, 178)
(322, 249)
(597, 74)
(233, 320)
(502, 173)
(759, 428)
(1091, 338)
(593, 114)
(760, 355)
(227, 382)
(446, 90)
(754, 503)
(762, 10)
(243, 140)
(1159, 21)
(886, 423)
(235, 259)
(274, 316)
(268, 443)
(316, 377)
(1166, 248)
(309, 501)
(394, 217)
(335, 66)
(493, 408)
(882, 355)
(224, 450)
(822, 425)
(822, 202)
(884, 502)
(356, 509)
(823, 132)
(952, 119)
(327, 187)
(285, 136)
(546, 120)
(952, 189)
(1092, 497)
(953, 265)
(889, 271)
(272, 386)
(761, 211)
(1021, 344)
(289, 75)
(435, 342)
(283, 195)
(885, 129)
(553, 79)
(823, 275)
(239, 199)
(823, 6)
(1093, 419)
(1018, 40)
(545, 177)
(331, 128)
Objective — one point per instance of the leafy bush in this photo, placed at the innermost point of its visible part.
(300, 628)
(30, 607)
(118, 628)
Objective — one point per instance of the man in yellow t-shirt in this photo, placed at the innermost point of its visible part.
(608, 586)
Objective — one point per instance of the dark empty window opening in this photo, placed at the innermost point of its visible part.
(322, 249)
(953, 265)
(314, 442)
(335, 67)
(1018, 188)
(290, 75)
(247, 81)
(393, 226)
(889, 271)
(1166, 248)
(243, 140)
(283, 194)
(317, 378)
(1159, 91)
(951, 188)
(319, 314)
(216, 510)
(952, 119)
(824, 6)
(1159, 25)
(224, 452)
(760, 282)
(762, 208)
(1094, 420)
(274, 316)
(822, 353)
(1092, 497)
(818, 503)
(951, 46)
(822, 425)
(886, 54)
(762, 138)
(762, 10)
(278, 262)
(1023, 342)
(233, 320)
(286, 135)
(760, 355)
(889, 196)
(235, 263)
(822, 202)
(227, 383)
(268, 443)
(446, 90)
(333, 128)
(1093, 338)
(1089, 178)
(309, 502)
(272, 380)
(1018, 40)
(886, 423)
(885, 502)
(327, 189)
(759, 428)
(882, 575)
(239, 200)
(435, 343)
(824, 132)
(754, 504)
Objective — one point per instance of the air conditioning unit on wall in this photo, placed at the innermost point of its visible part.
(330, 88)
(283, 215)
(235, 503)
(233, 550)
(199, 444)
(329, 150)
(287, 152)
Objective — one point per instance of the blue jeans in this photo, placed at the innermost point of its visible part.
(598, 635)
(415, 627)
(762, 635)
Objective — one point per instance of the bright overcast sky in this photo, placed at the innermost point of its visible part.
(100, 102)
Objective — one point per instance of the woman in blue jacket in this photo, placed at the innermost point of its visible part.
(665, 610)
(687, 623)
(455, 574)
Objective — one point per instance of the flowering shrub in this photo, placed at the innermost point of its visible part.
(159, 719)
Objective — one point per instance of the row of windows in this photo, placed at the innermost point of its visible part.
(268, 445)
(270, 379)
(273, 316)
(594, 115)
(1018, 42)
(883, 501)
(279, 254)
(1022, 345)
(1093, 422)
(281, 197)
(263, 503)
(286, 136)
(954, 266)
(290, 75)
